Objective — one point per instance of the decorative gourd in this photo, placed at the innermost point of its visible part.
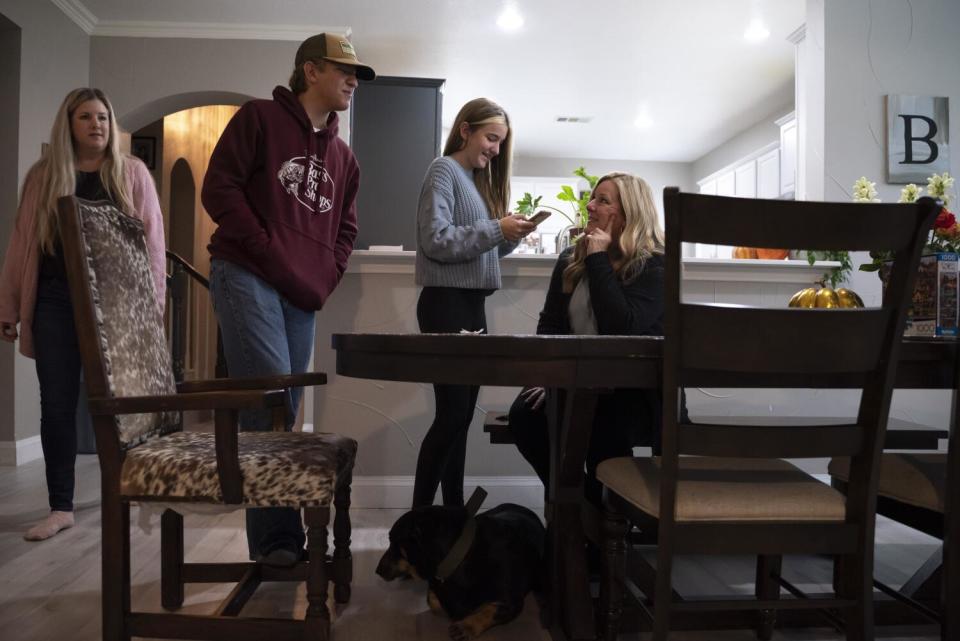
(826, 298)
(773, 254)
(744, 252)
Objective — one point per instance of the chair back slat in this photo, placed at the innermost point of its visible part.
(119, 326)
(769, 441)
(781, 341)
(750, 222)
(739, 346)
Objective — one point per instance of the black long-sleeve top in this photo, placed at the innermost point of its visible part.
(632, 308)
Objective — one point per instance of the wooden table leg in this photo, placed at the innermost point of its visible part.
(570, 417)
(950, 625)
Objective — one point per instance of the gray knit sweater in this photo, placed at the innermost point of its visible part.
(458, 244)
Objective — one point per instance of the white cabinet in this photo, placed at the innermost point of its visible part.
(745, 180)
(768, 174)
(788, 154)
(727, 184)
(700, 250)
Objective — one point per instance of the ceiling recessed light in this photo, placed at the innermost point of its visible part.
(643, 120)
(510, 18)
(756, 31)
(576, 119)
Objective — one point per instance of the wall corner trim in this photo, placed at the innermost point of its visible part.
(22, 451)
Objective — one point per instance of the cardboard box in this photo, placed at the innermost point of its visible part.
(934, 306)
(948, 269)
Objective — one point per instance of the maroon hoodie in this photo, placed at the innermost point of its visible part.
(284, 198)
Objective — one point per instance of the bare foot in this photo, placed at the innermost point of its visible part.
(46, 528)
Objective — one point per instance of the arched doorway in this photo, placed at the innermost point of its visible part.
(186, 297)
(183, 195)
(184, 129)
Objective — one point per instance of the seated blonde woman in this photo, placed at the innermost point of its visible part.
(610, 282)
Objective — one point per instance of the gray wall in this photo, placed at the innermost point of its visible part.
(150, 77)
(870, 50)
(764, 132)
(54, 58)
(657, 174)
(855, 53)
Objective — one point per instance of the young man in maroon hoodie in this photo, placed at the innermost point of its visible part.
(282, 188)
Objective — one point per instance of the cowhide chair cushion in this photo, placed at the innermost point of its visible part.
(280, 469)
(136, 359)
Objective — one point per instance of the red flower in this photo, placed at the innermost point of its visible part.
(945, 220)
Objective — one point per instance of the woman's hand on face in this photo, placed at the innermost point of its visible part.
(8, 332)
(534, 397)
(598, 240)
(515, 227)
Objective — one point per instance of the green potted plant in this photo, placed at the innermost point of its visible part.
(528, 205)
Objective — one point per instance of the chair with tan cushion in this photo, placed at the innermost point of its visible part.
(728, 489)
(916, 479)
(912, 490)
(145, 458)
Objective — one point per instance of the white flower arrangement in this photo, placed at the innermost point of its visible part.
(938, 185)
(910, 193)
(865, 191)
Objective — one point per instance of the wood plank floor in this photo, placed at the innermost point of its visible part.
(51, 590)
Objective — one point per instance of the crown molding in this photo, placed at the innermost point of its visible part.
(91, 25)
(210, 30)
(76, 11)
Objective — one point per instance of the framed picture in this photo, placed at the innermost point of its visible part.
(145, 148)
(918, 137)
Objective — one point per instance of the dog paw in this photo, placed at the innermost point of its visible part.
(476, 622)
(434, 602)
(461, 631)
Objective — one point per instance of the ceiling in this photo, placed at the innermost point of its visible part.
(684, 64)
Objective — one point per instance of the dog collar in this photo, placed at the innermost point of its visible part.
(463, 543)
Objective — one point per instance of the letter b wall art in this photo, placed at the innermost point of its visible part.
(918, 138)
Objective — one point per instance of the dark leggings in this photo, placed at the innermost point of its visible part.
(443, 453)
(58, 370)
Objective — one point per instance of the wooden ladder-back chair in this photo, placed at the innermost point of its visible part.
(727, 489)
(144, 457)
(918, 489)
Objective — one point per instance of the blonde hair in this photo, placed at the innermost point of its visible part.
(641, 238)
(493, 182)
(56, 169)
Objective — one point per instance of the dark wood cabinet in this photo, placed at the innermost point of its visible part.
(395, 134)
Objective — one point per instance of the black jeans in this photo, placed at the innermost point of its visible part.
(58, 370)
(443, 453)
(623, 419)
(607, 440)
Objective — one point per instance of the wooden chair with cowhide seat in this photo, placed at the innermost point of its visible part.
(145, 458)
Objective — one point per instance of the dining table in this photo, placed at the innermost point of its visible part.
(583, 367)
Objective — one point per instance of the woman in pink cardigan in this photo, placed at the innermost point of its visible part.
(83, 159)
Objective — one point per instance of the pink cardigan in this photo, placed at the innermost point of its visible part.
(21, 266)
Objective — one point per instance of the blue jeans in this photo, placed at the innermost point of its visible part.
(263, 335)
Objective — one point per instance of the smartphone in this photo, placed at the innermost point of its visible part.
(539, 217)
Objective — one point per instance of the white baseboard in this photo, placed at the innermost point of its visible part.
(20, 452)
(397, 491)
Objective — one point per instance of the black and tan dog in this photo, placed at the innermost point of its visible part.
(479, 569)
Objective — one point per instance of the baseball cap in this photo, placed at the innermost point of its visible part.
(334, 47)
